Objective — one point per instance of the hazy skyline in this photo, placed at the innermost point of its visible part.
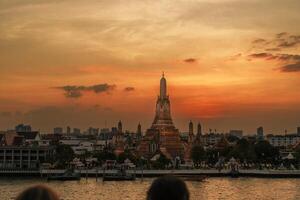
(229, 64)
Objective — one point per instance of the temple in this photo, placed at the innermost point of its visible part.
(162, 136)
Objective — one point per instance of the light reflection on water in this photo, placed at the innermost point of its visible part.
(210, 189)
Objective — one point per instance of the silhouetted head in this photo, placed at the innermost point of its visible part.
(38, 192)
(168, 188)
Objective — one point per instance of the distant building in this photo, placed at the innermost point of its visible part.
(236, 133)
(198, 138)
(76, 130)
(23, 128)
(298, 130)
(286, 141)
(24, 157)
(260, 133)
(58, 130)
(191, 133)
(23, 150)
(199, 129)
(93, 131)
(114, 130)
(31, 138)
(139, 131)
(68, 130)
(120, 127)
(211, 139)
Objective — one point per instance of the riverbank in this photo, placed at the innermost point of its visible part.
(155, 173)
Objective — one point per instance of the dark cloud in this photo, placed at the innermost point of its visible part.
(283, 58)
(259, 40)
(291, 41)
(280, 41)
(287, 44)
(73, 91)
(190, 60)
(287, 57)
(267, 56)
(291, 67)
(282, 34)
(129, 89)
(273, 49)
(280, 57)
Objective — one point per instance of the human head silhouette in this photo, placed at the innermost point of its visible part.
(38, 192)
(168, 188)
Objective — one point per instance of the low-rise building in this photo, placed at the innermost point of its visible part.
(211, 139)
(286, 141)
(24, 157)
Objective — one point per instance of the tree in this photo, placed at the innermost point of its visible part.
(104, 155)
(64, 155)
(265, 152)
(197, 154)
(243, 150)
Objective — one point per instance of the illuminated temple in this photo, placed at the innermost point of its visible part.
(162, 136)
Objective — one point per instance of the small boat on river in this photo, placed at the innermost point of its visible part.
(69, 175)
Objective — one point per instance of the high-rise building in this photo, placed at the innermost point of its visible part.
(260, 133)
(191, 132)
(23, 128)
(199, 129)
(198, 135)
(120, 127)
(298, 130)
(68, 130)
(139, 130)
(162, 136)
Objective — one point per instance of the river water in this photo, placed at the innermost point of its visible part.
(210, 189)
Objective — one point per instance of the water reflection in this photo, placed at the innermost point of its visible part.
(210, 189)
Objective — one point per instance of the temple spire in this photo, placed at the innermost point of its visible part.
(163, 87)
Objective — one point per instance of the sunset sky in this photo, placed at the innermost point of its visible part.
(230, 64)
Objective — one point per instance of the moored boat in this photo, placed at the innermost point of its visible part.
(67, 176)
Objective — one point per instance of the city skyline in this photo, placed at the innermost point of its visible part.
(72, 63)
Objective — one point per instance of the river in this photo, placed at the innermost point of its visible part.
(210, 189)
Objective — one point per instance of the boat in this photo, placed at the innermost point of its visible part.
(121, 175)
(69, 175)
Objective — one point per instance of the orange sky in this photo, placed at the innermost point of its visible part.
(229, 64)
